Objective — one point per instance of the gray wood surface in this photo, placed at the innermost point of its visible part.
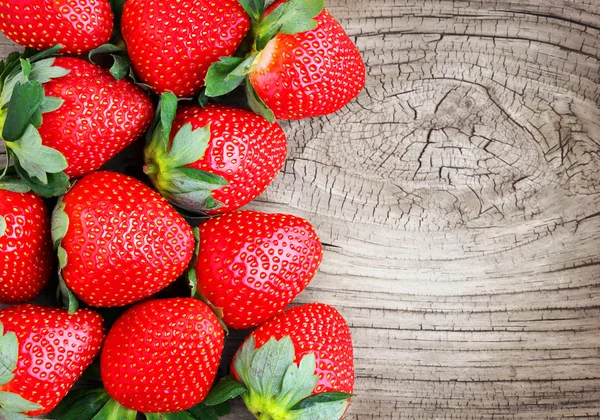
(459, 198)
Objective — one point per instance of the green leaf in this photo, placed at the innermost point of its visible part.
(291, 17)
(269, 365)
(58, 183)
(9, 353)
(7, 66)
(68, 298)
(37, 160)
(81, 404)
(254, 8)
(257, 104)
(45, 53)
(2, 226)
(211, 181)
(168, 110)
(44, 70)
(180, 415)
(103, 49)
(324, 397)
(112, 410)
(120, 67)
(204, 412)
(226, 389)
(25, 100)
(323, 411)
(25, 68)
(202, 98)
(226, 74)
(14, 184)
(7, 415)
(243, 360)
(50, 103)
(298, 382)
(192, 281)
(188, 146)
(10, 401)
(60, 223)
(196, 202)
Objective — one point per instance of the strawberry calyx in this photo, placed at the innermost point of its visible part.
(121, 64)
(97, 404)
(59, 228)
(276, 388)
(166, 161)
(22, 105)
(288, 17)
(11, 403)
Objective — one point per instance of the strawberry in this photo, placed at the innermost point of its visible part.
(253, 264)
(25, 244)
(298, 365)
(171, 45)
(118, 241)
(162, 355)
(66, 117)
(302, 63)
(219, 158)
(78, 26)
(44, 352)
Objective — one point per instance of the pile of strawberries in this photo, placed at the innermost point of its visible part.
(205, 82)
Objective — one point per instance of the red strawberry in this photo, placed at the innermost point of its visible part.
(227, 167)
(99, 117)
(298, 68)
(25, 246)
(162, 355)
(65, 114)
(253, 264)
(79, 26)
(119, 240)
(306, 350)
(171, 45)
(45, 351)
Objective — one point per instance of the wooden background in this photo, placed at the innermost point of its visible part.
(459, 198)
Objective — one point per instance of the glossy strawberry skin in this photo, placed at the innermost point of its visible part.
(162, 355)
(124, 242)
(320, 329)
(54, 350)
(99, 117)
(309, 74)
(171, 45)
(25, 246)
(78, 25)
(244, 148)
(253, 264)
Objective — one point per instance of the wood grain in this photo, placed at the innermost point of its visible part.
(459, 200)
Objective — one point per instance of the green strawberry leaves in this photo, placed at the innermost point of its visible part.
(276, 386)
(9, 351)
(256, 103)
(254, 8)
(166, 162)
(226, 389)
(121, 66)
(23, 104)
(60, 226)
(10, 402)
(227, 74)
(203, 411)
(81, 404)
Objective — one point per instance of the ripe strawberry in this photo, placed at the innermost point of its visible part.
(99, 117)
(65, 114)
(171, 45)
(306, 350)
(45, 351)
(253, 264)
(228, 160)
(119, 241)
(79, 26)
(25, 246)
(162, 355)
(298, 68)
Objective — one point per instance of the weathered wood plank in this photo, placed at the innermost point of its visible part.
(459, 197)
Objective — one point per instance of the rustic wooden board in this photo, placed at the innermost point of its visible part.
(459, 198)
